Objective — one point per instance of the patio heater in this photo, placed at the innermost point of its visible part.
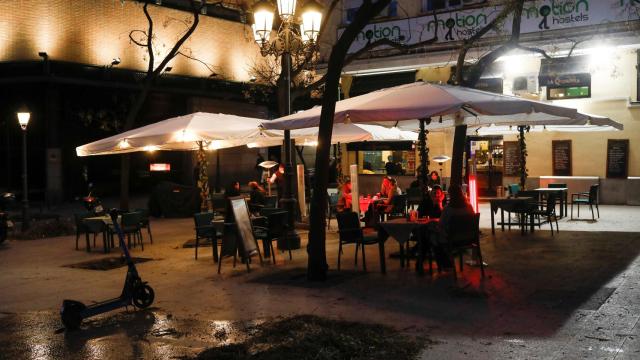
(23, 119)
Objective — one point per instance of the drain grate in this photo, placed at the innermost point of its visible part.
(105, 264)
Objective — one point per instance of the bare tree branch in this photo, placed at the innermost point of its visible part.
(208, 66)
(532, 49)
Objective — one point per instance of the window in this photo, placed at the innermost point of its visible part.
(387, 162)
(351, 7)
(435, 5)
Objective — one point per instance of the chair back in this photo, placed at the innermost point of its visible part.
(593, 193)
(414, 195)
(463, 230)
(399, 204)
(557, 186)
(514, 189)
(94, 225)
(78, 219)
(131, 219)
(271, 201)
(203, 218)
(551, 203)
(348, 226)
(277, 223)
(144, 216)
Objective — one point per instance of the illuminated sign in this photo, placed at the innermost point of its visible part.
(159, 167)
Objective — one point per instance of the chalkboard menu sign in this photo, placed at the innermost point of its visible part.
(617, 158)
(561, 153)
(511, 158)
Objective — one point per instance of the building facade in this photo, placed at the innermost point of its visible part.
(74, 65)
(593, 66)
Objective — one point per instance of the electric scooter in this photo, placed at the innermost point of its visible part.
(135, 292)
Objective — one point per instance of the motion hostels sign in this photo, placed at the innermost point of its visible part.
(537, 16)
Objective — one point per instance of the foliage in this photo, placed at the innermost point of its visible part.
(524, 172)
(311, 337)
(203, 180)
(47, 228)
(107, 113)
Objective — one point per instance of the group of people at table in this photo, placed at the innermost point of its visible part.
(433, 207)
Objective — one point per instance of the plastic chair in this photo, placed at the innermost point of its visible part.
(95, 227)
(463, 233)
(205, 230)
(514, 189)
(399, 208)
(350, 232)
(414, 196)
(275, 229)
(144, 222)
(130, 225)
(80, 227)
(588, 198)
(549, 211)
(332, 209)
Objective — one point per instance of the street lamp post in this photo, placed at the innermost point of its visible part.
(23, 119)
(292, 36)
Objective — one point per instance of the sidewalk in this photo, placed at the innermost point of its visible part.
(573, 295)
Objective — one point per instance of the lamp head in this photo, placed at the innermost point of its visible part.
(286, 9)
(115, 61)
(311, 20)
(262, 21)
(23, 117)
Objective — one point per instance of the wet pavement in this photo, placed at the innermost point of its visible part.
(572, 295)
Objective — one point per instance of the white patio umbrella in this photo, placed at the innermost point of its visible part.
(214, 131)
(401, 105)
(342, 133)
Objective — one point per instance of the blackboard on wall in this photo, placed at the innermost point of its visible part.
(561, 153)
(511, 158)
(617, 158)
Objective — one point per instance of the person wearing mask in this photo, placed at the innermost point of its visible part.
(278, 179)
(458, 205)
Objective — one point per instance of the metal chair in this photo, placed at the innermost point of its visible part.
(205, 230)
(588, 198)
(350, 232)
(463, 233)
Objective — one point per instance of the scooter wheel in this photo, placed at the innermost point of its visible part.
(143, 296)
(71, 314)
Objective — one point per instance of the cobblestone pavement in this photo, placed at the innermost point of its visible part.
(572, 295)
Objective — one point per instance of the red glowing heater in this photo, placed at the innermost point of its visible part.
(473, 193)
(159, 167)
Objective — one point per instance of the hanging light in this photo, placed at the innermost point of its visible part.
(262, 21)
(311, 19)
(286, 8)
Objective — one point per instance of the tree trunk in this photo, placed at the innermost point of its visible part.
(317, 263)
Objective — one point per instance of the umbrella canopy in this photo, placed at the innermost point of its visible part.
(216, 131)
(342, 133)
(422, 100)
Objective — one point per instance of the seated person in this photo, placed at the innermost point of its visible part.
(385, 187)
(458, 205)
(434, 179)
(432, 204)
(257, 195)
(386, 205)
(344, 200)
(390, 166)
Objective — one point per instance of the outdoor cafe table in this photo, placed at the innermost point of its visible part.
(512, 204)
(401, 230)
(563, 195)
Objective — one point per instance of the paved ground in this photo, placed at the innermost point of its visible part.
(573, 295)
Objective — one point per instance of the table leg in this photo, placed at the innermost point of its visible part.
(420, 259)
(383, 265)
(531, 222)
(502, 219)
(493, 225)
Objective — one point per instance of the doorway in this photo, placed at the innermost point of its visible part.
(485, 155)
